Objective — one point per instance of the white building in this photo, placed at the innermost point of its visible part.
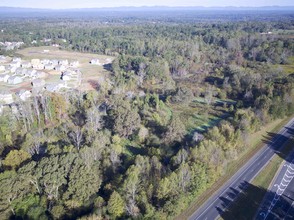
(53, 87)
(95, 62)
(15, 64)
(24, 94)
(35, 61)
(63, 62)
(4, 77)
(38, 83)
(31, 73)
(13, 80)
(26, 65)
(74, 64)
(45, 61)
(16, 59)
(48, 67)
(39, 66)
(38, 74)
(60, 68)
(66, 76)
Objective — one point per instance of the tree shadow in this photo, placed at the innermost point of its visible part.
(276, 142)
(247, 204)
(107, 67)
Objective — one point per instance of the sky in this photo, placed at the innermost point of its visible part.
(59, 4)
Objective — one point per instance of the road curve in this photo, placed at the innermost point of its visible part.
(222, 198)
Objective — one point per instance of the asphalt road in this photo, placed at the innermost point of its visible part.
(222, 198)
(279, 201)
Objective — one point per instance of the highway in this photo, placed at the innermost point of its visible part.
(279, 201)
(222, 198)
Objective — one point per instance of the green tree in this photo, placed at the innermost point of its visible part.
(126, 118)
(116, 205)
(175, 131)
(16, 158)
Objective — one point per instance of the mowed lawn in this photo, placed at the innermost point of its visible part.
(90, 72)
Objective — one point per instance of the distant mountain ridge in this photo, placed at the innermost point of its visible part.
(151, 8)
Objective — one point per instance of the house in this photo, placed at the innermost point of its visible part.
(48, 67)
(3, 59)
(35, 62)
(16, 59)
(63, 62)
(26, 65)
(34, 42)
(15, 64)
(6, 97)
(45, 61)
(2, 68)
(13, 80)
(13, 69)
(4, 77)
(54, 62)
(60, 68)
(95, 62)
(38, 83)
(20, 71)
(46, 51)
(74, 64)
(38, 74)
(39, 66)
(24, 94)
(66, 76)
(53, 87)
(30, 72)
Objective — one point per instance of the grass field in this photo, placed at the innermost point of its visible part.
(256, 143)
(199, 116)
(90, 72)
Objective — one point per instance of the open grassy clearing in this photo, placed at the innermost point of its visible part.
(246, 206)
(199, 116)
(286, 68)
(255, 144)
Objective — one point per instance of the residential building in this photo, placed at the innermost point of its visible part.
(13, 80)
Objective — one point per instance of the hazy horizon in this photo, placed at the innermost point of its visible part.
(54, 4)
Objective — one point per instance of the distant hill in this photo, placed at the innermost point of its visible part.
(151, 8)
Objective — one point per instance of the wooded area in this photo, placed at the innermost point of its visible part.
(148, 146)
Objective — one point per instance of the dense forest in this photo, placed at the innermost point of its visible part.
(183, 100)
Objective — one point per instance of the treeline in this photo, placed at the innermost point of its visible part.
(65, 156)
